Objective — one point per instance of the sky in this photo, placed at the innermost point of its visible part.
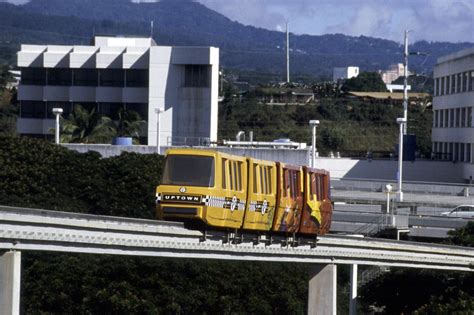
(432, 20)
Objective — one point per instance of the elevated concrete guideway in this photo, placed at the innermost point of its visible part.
(30, 229)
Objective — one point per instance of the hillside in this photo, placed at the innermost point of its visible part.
(190, 23)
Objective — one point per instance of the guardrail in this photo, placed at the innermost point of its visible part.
(30, 229)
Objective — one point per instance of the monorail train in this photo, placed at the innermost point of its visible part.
(233, 192)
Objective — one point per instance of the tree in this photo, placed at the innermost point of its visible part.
(365, 82)
(83, 126)
(129, 123)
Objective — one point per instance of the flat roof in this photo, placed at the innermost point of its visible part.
(388, 95)
(459, 54)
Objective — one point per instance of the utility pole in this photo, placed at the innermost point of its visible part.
(405, 83)
(287, 54)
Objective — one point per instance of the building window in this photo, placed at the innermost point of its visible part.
(110, 110)
(471, 82)
(463, 117)
(33, 76)
(136, 78)
(86, 77)
(465, 78)
(459, 83)
(442, 86)
(468, 152)
(441, 118)
(66, 106)
(469, 117)
(453, 84)
(446, 118)
(436, 114)
(32, 109)
(436, 87)
(140, 108)
(59, 76)
(458, 117)
(196, 76)
(112, 77)
(451, 117)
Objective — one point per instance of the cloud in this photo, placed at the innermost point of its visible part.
(434, 20)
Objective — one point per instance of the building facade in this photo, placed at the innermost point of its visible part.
(123, 72)
(394, 72)
(344, 73)
(453, 100)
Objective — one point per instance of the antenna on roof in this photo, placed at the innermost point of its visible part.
(151, 29)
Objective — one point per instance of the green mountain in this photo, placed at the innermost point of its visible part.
(185, 22)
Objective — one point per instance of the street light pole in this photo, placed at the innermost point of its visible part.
(405, 82)
(158, 111)
(57, 112)
(401, 121)
(313, 124)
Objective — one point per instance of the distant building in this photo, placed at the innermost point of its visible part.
(344, 73)
(15, 81)
(117, 72)
(453, 133)
(393, 73)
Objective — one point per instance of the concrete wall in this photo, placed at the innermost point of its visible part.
(343, 168)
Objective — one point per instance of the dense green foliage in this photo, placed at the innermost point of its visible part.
(191, 23)
(425, 291)
(350, 126)
(365, 82)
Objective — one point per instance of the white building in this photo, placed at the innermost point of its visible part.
(453, 132)
(117, 72)
(394, 72)
(344, 73)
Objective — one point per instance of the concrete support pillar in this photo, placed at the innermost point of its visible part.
(322, 290)
(10, 271)
(353, 291)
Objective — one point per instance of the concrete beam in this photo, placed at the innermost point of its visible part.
(10, 272)
(353, 291)
(322, 290)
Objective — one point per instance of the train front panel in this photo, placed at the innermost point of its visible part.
(203, 185)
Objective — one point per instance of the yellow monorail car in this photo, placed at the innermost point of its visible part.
(228, 191)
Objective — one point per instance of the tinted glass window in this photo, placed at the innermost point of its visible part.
(86, 77)
(59, 76)
(33, 76)
(189, 170)
(137, 78)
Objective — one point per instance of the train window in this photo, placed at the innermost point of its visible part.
(286, 181)
(262, 180)
(255, 188)
(312, 186)
(292, 184)
(224, 183)
(239, 175)
(269, 180)
(189, 170)
(232, 175)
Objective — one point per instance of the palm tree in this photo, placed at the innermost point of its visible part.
(83, 126)
(129, 123)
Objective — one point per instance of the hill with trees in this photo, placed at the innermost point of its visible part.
(243, 48)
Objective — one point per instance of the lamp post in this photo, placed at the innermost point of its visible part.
(158, 112)
(401, 121)
(57, 112)
(388, 190)
(313, 124)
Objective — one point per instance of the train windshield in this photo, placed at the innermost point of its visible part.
(189, 170)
